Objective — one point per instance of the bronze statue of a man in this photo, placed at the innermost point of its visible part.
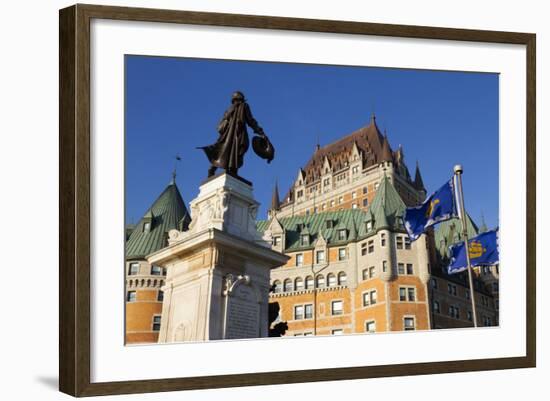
(233, 142)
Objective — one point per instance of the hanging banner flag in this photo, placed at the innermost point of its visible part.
(483, 251)
(438, 207)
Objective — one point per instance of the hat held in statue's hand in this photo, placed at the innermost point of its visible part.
(263, 148)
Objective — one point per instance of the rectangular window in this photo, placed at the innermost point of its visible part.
(337, 307)
(371, 271)
(304, 240)
(308, 311)
(156, 270)
(298, 312)
(410, 269)
(407, 294)
(160, 296)
(400, 268)
(370, 327)
(276, 241)
(341, 235)
(131, 296)
(437, 308)
(320, 256)
(133, 269)
(365, 274)
(467, 294)
(337, 332)
(156, 323)
(371, 246)
(299, 259)
(341, 253)
(369, 226)
(382, 239)
(373, 297)
(369, 298)
(399, 242)
(329, 223)
(434, 283)
(408, 323)
(407, 243)
(365, 202)
(354, 194)
(469, 315)
(384, 266)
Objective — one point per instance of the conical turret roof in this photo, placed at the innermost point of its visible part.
(418, 182)
(387, 206)
(166, 213)
(275, 202)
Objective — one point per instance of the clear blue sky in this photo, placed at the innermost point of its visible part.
(173, 105)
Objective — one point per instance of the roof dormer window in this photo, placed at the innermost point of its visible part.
(304, 239)
(146, 226)
(342, 234)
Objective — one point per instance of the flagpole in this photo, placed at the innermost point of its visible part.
(458, 173)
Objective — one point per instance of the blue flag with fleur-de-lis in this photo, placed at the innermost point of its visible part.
(438, 207)
(483, 251)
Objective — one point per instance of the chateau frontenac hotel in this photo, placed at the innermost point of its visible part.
(352, 267)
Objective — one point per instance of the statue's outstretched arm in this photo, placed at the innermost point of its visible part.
(251, 121)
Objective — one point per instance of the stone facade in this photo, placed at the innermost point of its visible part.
(217, 286)
(385, 282)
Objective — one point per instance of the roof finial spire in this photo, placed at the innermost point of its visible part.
(483, 227)
(177, 159)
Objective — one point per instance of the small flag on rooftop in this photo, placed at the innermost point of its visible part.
(438, 207)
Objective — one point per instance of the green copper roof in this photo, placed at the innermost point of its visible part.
(351, 220)
(450, 232)
(166, 213)
(387, 207)
(386, 210)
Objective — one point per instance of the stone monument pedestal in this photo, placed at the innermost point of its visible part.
(217, 282)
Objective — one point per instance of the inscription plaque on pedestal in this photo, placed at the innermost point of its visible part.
(243, 313)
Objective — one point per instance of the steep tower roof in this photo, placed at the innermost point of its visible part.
(368, 140)
(450, 232)
(166, 213)
(275, 202)
(387, 207)
(418, 182)
(386, 154)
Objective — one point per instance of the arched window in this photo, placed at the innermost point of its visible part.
(342, 278)
(298, 284)
(287, 287)
(331, 280)
(320, 281)
(278, 286)
(309, 282)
